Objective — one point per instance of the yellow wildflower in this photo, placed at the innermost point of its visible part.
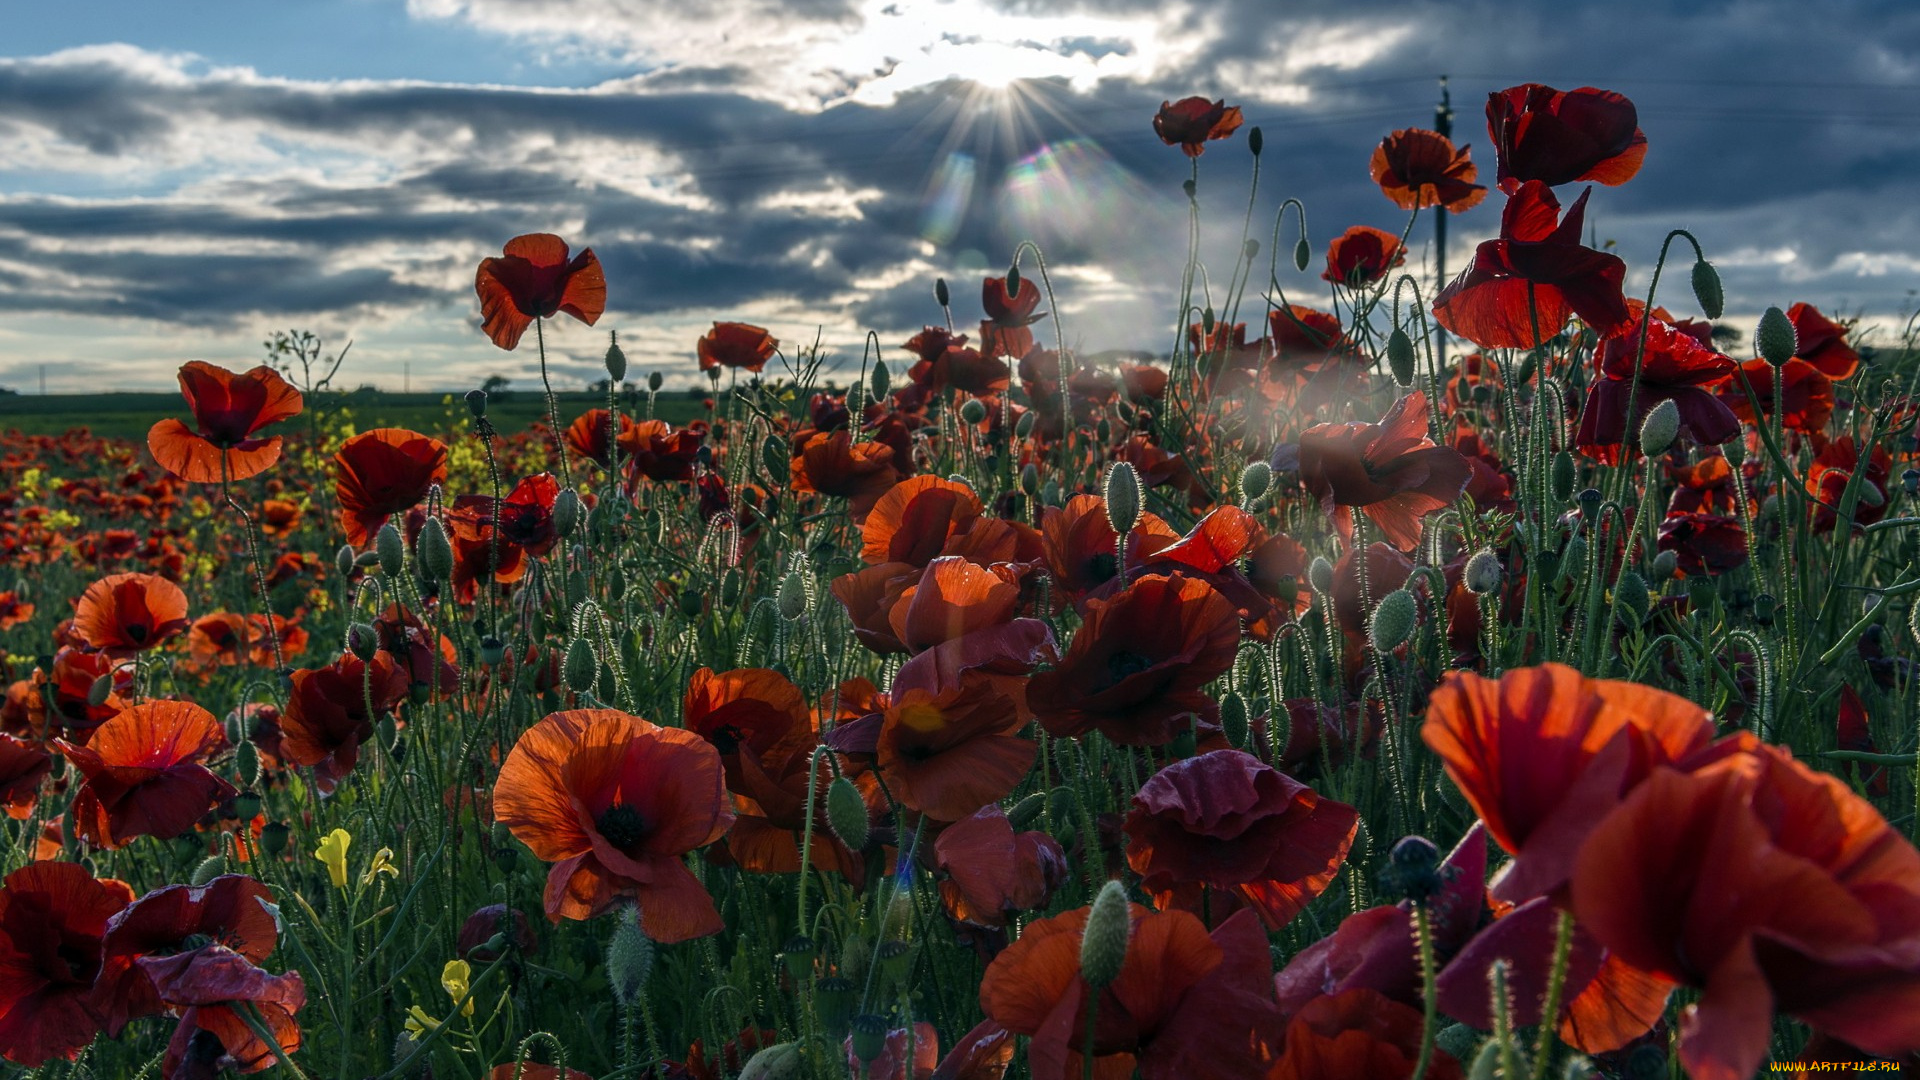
(419, 1023)
(453, 979)
(382, 864)
(333, 852)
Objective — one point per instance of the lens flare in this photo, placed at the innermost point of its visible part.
(947, 198)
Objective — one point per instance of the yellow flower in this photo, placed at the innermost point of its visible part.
(419, 1023)
(453, 979)
(333, 852)
(382, 864)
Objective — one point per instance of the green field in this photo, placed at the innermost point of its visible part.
(129, 415)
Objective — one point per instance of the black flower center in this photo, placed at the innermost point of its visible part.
(727, 738)
(1123, 665)
(622, 826)
(1102, 567)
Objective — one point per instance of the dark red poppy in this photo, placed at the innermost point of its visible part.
(52, 917)
(1673, 367)
(1226, 821)
(526, 514)
(1362, 256)
(1136, 665)
(145, 774)
(833, 464)
(656, 450)
(947, 752)
(227, 911)
(591, 435)
(534, 279)
(123, 614)
(1083, 551)
(327, 719)
(1704, 543)
(993, 873)
(746, 710)
(1772, 888)
(735, 345)
(970, 372)
(614, 803)
(1559, 137)
(1391, 471)
(771, 797)
(229, 408)
(229, 637)
(1535, 275)
(1851, 732)
(1832, 471)
(203, 986)
(1186, 1005)
(1417, 168)
(1191, 123)
(13, 610)
(23, 767)
(382, 472)
(1808, 395)
(1357, 1033)
(1707, 486)
(1822, 342)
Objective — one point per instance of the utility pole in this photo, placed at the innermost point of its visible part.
(1442, 123)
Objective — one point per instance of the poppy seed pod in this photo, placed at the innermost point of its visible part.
(579, 668)
(1590, 500)
(1103, 946)
(477, 404)
(1255, 141)
(974, 411)
(1415, 863)
(1563, 476)
(1484, 572)
(869, 1037)
(654, 380)
(1665, 565)
(1707, 290)
(834, 1000)
(616, 360)
(1393, 620)
(1400, 357)
(1631, 597)
(1660, 428)
(1775, 337)
(1122, 492)
(1320, 575)
(1302, 255)
(566, 512)
(391, 549)
(492, 650)
(781, 1061)
(433, 550)
(792, 597)
(847, 813)
(1255, 479)
(629, 956)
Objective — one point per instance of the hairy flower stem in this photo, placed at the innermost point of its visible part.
(553, 406)
(1429, 993)
(1556, 986)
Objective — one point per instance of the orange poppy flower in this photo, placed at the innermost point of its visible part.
(1562, 136)
(228, 409)
(228, 911)
(23, 768)
(1542, 753)
(1362, 256)
(1192, 122)
(1225, 820)
(52, 918)
(1417, 168)
(735, 345)
(1136, 665)
(534, 279)
(1083, 551)
(1770, 886)
(614, 803)
(655, 450)
(1822, 342)
(279, 517)
(952, 598)
(1391, 471)
(1186, 1005)
(13, 610)
(832, 464)
(123, 614)
(1805, 390)
(202, 986)
(745, 710)
(770, 809)
(916, 517)
(327, 719)
(229, 637)
(381, 472)
(1522, 287)
(948, 752)
(869, 596)
(145, 774)
(1357, 1033)
(993, 873)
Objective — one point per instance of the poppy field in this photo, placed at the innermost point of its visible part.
(1511, 675)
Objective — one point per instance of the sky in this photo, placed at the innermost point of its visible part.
(179, 180)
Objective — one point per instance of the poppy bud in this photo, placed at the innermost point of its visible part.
(1103, 431)
(1400, 357)
(940, 294)
(1665, 565)
(580, 669)
(343, 560)
(1764, 607)
(391, 549)
(246, 764)
(1250, 250)
(1393, 620)
(1775, 337)
(566, 512)
(362, 641)
(477, 404)
(1706, 289)
(882, 381)
(653, 382)
(1255, 479)
(1206, 319)
(1024, 428)
(1630, 595)
(792, 597)
(1233, 719)
(1484, 572)
(629, 956)
(1255, 141)
(974, 411)
(1189, 187)
(1870, 495)
(777, 459)
(847, 813)
(1183, 745)
(781, 1061)
(1320, 575)
(1302, 255)
(1050, 493)
(1027, 810)
(1030, 479)
(1103, 946)
(1659, 429)
(869, 1037)
(1122, 491)
(210, 867)
(1013, 281)
(100, 690)
(616, 360)
(1521, 376)
(1735, 452)
(433, 551)
(731, 585)
(1563, 476)
(274, 836)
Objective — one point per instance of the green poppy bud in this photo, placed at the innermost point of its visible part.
(973, 411)
(343, 560)
(781, 1061)
(1665, 565)
(210, 867)
(1302, 255)
(1484, 572)
(1631, 597)
(1122, 491)
(1027, 811)
(1400, 356)
(1660, 428)
(1103, 946)
(362, 641)
(1030, 479)
(99, 690)
(792, 597)
(580, 668)
(940, 294)
(881, 381)
(847, 813)
(566, 512)
(1233, 719)
(776, 458)
(1255, 479)
(1013, 281)
(1320, 575)
(1393, 620)
(1706, 289)
(1024, 428)
(629, 956)
(654, 380)
(392, 550)
(433, 551)
(1255, 141)
(1563, 476)
(616, 360)
(1206, 319)
(1775, 337)
(246, 764)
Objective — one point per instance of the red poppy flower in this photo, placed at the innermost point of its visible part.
(993, 873)
(382, 472)
(1357, 1033)
(1225, 820)
(833, 464)
(1363, 255)
(1191, 123)
(1535, 275)
(1704, 543)
(1390, 470)
(1083, 551)
(279, 518)
(745, 710)
(327, 719)
(614, 803)
(144, 773)
(1773, 888)
(735, 345)
(1186, 1005)
(13, 610)
(1136, 665)
(1674, 367)
(952, 598)
(228, 409)
(770, 800)
(1303, 339)
(1822, 342)
(534, 279)
(1542, 753)
(1559, 137)
(229, 637)
(948, 752)
(1851, 732)
(526, 515)
(203, 985)
(1829, 475)
(229, 911)
(23, 767)
(1417, 168)
(52, 917)
(123, 614)
(913, 521)
(1807, 393)
(590, 435)
(655, 450)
